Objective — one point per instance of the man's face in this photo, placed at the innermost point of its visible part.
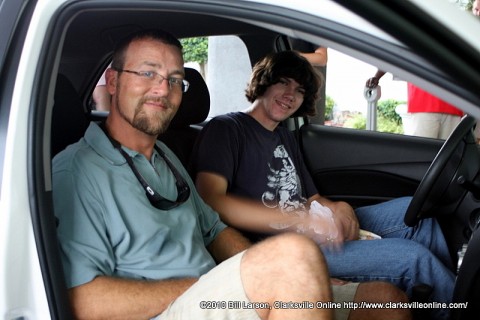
(476, 8)
(148, 104)
(282, 99)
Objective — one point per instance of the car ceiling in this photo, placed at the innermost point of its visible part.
(92, 34)
(93, 27)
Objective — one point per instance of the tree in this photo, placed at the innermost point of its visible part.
(329, 105)
(386, 109)
(196, 50)
(464, 4)
(388, 119)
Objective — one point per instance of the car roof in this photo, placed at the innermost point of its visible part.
(86, 32)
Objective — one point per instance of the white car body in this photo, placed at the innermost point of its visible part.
(22, 286)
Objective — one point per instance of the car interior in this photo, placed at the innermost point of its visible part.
(361, 167)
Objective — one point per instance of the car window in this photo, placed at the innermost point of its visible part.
(228, 74)
(350, 104)
(223, 62)
(226, 67)
(346, 95)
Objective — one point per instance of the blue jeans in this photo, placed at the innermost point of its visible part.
(405, 256)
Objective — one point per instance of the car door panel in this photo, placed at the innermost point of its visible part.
(364, 167)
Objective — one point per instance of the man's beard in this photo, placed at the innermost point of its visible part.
(154, 124)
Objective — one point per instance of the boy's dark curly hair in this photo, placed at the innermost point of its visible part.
(286, 64)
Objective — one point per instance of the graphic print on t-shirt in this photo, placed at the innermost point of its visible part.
(283, 183)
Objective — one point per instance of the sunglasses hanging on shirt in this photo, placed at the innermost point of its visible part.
(159, 202)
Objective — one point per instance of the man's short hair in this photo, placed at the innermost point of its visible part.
(286, 64)
(118, 59)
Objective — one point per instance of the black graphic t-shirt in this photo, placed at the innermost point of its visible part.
(257, 163)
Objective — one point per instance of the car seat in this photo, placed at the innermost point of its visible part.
(186, 125)
(69, 119)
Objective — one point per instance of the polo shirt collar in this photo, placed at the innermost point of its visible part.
(100, 143)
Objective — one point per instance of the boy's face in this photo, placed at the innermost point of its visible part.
(282, 99)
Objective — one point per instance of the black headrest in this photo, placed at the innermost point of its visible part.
(69, 120)
(195, 104)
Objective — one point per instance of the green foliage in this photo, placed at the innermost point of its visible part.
(356, 122)
(195, 49)
(329, 105)
(383, 124)
(387, 119)
(386, 109)
(464, 4)
(388, 125)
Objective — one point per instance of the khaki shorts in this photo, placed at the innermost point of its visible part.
(341, 294)
(219, 294)
(430, 124)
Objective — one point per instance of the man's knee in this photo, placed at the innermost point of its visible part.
(285, 252)
(290, 257)
(288, 267)
(381, 293)
(287, 255)
(288, 247)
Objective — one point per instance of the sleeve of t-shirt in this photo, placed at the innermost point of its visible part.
(217, 149)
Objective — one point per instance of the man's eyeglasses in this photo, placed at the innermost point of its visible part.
(159, 202)
(150, 76)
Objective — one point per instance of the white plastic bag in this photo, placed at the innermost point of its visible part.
(327, 225)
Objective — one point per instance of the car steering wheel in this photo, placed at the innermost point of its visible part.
(440, 174)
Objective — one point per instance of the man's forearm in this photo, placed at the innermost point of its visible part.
(116, 298)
